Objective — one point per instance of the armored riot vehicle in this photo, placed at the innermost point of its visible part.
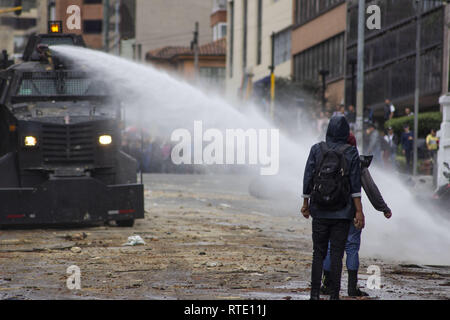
(60, 143)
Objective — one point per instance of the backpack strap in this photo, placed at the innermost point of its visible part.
(342, 149)
(323, 149)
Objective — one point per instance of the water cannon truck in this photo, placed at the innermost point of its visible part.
(60, 143)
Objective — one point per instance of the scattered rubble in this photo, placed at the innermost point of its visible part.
(134, 241)
(75, 249)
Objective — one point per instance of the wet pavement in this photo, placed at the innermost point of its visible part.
(205, 237)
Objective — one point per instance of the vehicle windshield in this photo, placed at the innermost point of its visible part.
(54, 41)
(73, 108)
(59, 83)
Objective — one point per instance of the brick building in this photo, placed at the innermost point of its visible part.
(211, 62)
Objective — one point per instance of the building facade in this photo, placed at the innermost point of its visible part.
(389, 60)
(251, 24)
(211, 62)
(109, 36)
(219, 19)
(91, 20)
(161, 23)
(318, 44)
(211, 56)
(15, 29)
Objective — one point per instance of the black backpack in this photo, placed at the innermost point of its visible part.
(331, 182)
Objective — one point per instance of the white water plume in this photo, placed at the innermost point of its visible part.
(156, 99)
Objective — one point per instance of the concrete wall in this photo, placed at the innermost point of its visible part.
(322, 28)
(276, 16)
(42, 16)
(161, 23)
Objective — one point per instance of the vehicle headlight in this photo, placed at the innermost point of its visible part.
(30, 141)
(105, 139)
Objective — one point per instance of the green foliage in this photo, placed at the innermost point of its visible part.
(427, 121)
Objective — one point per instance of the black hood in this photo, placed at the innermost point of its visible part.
(338, 130)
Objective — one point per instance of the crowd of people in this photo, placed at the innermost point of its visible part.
(152, 154)
(384, 144)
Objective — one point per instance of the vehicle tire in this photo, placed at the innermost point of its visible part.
(125, 223)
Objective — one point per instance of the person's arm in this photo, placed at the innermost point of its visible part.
(307, 182)
(355, 189)
(305, 208)
(373, 193)
(372, 142)
(359, 216)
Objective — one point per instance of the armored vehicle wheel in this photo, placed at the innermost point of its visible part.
(125, 223)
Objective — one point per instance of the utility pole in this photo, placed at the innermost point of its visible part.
(51, 10)
(352, 62)
(106, 24)
(324, 74)
(272, 78)
(417, 90)
(194, 46)
(116, 27)
(360, 75)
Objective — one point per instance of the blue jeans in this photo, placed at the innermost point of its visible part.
(351, 250)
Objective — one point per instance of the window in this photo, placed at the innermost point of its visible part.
(92, 26)
(18, 23)
(282, 46)
(223, 30)
(213, 75)
(219, 5)
(328, 55)
(20, 43)
(259, 35)
(47, 84)
(306, 10)
(389, 60)
(219, 31)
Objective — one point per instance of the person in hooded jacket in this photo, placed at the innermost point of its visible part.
(354, 237)
(332, 226)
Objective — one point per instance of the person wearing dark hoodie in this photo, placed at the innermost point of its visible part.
(354, 237)
(332, 225)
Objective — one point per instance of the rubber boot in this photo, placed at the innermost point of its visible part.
(326, 283)
(314, 297)
(334, 296)
(353, 290)
(315, 294)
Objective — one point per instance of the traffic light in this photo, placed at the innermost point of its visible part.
(18, 6)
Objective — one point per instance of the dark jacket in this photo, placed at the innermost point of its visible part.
(407, 143)
(387, 111)
(337, 135)
(371, 189)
